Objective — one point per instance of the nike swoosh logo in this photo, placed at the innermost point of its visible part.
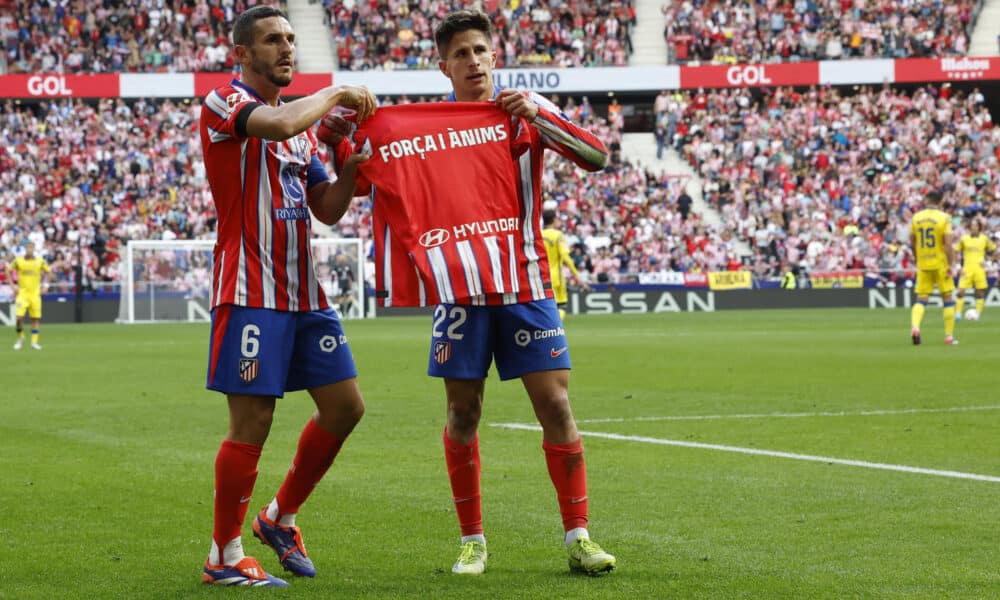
(556, 353)
(577, 500)
(244, 499)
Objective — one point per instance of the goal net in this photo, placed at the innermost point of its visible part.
(171, 280)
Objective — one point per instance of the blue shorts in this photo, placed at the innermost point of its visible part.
(265, 352)
(521, 338)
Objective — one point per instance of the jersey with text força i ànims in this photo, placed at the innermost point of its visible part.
(262, 258)
(457, 200)
(929, 226)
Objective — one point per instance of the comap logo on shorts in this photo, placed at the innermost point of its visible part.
(434, 237)
(328, 343)
(523, 337)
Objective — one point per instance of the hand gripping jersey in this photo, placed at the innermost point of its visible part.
(262, 257)
(456, 193)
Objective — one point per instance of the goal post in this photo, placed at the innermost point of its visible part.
(171, 280)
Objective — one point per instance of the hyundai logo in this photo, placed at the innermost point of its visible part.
(434, 237)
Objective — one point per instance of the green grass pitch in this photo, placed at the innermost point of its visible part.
(108, 437)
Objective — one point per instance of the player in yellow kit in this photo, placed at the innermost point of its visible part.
(931, 241)
(30, 270)
(974, 247)
(558, 251)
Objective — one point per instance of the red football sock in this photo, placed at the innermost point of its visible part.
(569, 475)
(317, 449)
(463, 471)
(235, 474)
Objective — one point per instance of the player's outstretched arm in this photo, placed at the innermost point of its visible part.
(292, 118)
(330, 201)
(558, 133)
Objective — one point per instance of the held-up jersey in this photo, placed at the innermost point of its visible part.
(974, 249)
(474, 171)
(262, 258)
(29, 274)
(929, 227)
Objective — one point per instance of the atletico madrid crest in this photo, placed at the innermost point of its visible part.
(248, 369)
(442, 352)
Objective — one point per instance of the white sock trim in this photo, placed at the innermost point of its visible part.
(576, 533)
(229, 555)
(479, 537)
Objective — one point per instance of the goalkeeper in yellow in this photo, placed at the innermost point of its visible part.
(30, 270)
(974, 247)
(932, 244)
(558, 251)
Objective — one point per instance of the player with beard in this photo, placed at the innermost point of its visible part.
(273, 330)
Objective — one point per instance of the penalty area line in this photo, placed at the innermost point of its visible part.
(771, 453)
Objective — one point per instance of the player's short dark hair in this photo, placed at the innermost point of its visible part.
(244, 26)
(548, 216)
(934, 197)
(457, 22)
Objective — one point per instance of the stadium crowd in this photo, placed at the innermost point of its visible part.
(399, 34)
(96, 36)
(828, 180)
(822, 179)
(786, 30)
(75, 174)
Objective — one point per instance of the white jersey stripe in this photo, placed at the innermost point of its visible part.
(217, 104)
(528, 229)
(387, 264)
(241, 274)
(313, 285)
(472, 276)
(496, 266)
(218, 284)
(265, 227)
(439, 267)
(216, 136)
(422, 287)
(515, 283)
(292, 264)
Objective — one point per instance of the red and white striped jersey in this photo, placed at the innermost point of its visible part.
(262, 256)
(457, 200)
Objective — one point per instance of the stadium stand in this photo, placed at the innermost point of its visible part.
(821, 177)
(395, 34)
(111, 171)
(773, 30)
(94, 37)
(827, 179)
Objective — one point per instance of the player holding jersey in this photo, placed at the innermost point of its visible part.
(931, 241)
(519, 327)
(273, 330)
(974, 247)
(30, 271)
(559, 256)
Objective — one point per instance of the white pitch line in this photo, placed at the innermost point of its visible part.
(774, 453)
(858, 413)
